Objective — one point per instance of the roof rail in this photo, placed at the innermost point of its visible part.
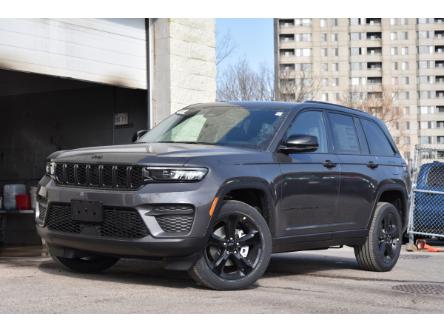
(333, 104)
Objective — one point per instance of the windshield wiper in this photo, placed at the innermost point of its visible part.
(188, 142)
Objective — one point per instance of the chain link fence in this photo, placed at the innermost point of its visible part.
(426, 216)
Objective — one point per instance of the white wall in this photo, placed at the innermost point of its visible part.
(111, 51)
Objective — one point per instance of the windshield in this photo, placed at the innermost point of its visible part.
(218, 125)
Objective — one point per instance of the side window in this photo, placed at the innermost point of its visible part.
(310, 123)
(376, 138)
(345, 138)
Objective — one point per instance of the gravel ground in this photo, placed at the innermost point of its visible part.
(301, 282)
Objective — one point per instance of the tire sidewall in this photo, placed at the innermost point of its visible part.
(382, 210)
(206, 276)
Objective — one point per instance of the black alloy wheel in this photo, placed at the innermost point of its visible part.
(238, 250)
(388, 237)
(235, 246)
(381, 249)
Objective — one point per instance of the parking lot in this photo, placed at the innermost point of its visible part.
(303, 282)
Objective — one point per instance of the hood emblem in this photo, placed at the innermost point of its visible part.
(97, 157)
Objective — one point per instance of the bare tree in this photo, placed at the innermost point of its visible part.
(225, 46)
(296, 86)
(384, 105)
(240, 82)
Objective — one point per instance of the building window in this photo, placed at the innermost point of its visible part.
(395, 66)
(356, 66)
(394, 51)
(406, 80)
(425, 49)
(323, 22)
(356, 50)
(334, 37)
(425, 140)
(323, 37)
(302, 22)
(336, 52)
(335, 67)
(403, 35)
(303, 52)
(287, 52)
(393, 36)
(403, 21)
(335, 82)
(286, 23)
(404, 50)
(325, 97)
(426, 109)
(395, 80)
(404, 65)
(334, 22)
(355, 36)
(325, 82)
(325, 67)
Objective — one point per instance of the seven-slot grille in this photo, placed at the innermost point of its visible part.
(122, 223)
(120, 177)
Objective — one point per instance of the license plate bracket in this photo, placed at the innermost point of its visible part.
(87, 211)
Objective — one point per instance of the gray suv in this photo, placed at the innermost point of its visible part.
(216, 188)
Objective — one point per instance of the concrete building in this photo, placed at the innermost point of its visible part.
(362, 58)
(67, 83)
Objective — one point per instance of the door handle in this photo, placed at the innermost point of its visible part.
(329, 164)
(372, 165)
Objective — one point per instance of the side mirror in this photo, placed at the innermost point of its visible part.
(139, 134)
(299, 143)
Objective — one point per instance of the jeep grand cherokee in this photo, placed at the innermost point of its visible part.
(216, 188)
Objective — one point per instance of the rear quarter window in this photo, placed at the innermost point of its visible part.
(377, 140)
(345, 137)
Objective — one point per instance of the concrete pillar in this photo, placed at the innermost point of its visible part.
(183, 64)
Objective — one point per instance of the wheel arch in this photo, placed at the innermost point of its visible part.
(246, 189)
(397, 195)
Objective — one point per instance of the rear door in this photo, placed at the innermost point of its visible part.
(358, 177)
(310, 181)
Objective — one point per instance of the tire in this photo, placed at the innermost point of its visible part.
(381, 250)
(232, 264)
(93, 264)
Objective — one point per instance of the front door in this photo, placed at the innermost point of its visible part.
(310, 182)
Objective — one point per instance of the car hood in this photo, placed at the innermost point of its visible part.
(152, 153)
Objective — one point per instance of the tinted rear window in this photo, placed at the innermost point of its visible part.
(345, 138)
(376, 138)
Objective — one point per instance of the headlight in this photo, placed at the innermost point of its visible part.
(50, 169)
(165, 174)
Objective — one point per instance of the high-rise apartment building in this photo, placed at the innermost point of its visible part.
(399, 61)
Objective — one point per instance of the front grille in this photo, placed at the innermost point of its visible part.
(109, 176)
(122, 223)
(174, 218)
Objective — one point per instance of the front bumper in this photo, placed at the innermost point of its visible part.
(159, 243)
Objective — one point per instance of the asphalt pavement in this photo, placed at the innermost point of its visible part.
(326, 281)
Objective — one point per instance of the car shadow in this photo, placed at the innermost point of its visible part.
(306, 263)
(129, 271)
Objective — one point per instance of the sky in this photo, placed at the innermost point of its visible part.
(253, 39)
